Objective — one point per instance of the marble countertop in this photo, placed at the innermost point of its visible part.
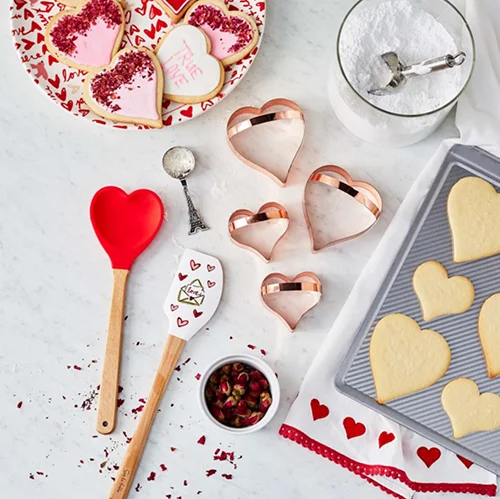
(55, 283)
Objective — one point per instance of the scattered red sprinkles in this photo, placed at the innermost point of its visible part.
(210, 472)
(138, 487)
(202, 440)
(163, 467)
(262, 351)
(252, 347)
(20, 404)
(77, 368)
(68, 28)
(173, 449)
(227, 476)
(198, 376)
(151, 476)
(214, 17)
(105, 84)
(185, 483)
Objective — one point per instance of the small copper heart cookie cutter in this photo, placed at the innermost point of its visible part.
(244, 218)
(262, 116)
(351, 188)
(287, 285)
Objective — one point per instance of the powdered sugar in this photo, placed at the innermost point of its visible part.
(415, 35)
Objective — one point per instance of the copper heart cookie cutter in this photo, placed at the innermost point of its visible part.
(244, 218)
(279, 283)
(350, 187)
(262, 116)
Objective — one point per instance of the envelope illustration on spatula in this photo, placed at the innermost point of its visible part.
(192, 293)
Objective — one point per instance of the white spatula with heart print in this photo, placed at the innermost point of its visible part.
(191, 302)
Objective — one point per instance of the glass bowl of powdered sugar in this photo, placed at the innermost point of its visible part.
(417, 30)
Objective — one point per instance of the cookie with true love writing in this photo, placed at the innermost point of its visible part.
(87, 37)
(129, 89)
(190, 73)
(233, 34)
(175, 9)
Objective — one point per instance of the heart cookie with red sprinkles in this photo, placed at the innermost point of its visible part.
(175, 9)
(129, 90)
(88, 37)
(233, 34)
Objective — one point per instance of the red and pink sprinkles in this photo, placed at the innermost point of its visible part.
(67, 29)
(104, 85)
(215, 18)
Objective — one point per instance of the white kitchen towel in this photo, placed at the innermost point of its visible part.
(389, 456)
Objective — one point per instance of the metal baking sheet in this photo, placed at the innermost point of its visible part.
(429, 238)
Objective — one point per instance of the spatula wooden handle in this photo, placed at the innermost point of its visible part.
(108, 396)
(135, 449)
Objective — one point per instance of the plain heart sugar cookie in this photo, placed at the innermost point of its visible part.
(190, 73)
(489, 334)
(474, 214)
(175, 9)
(468, 410)
(88, 37)
(233, 35)
(129, 90)
(404, 358)
(440, 295)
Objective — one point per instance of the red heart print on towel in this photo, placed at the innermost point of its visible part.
(174, 307)
(210, 284)
(385, 438)
(181, 322)
(194, 265)
(319, 411)
(210, 268)
(197, 314)
(182, 276)
(188, 113)
(353, 429)
(428, 456)
(465, 462)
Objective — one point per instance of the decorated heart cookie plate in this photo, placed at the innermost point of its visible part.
(146, 23)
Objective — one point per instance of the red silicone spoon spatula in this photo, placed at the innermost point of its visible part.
(125, 225)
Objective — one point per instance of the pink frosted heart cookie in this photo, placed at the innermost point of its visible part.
(233, 35)
(190, 73)
(129, 90)
(175, 9)
(88, 37)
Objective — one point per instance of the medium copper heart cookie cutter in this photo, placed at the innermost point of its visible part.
(262, 116)
(351, 188)
(313, 284)
(243, 218)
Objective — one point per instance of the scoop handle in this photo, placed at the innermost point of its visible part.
(432, 65)
(126, 474)
(108, 396)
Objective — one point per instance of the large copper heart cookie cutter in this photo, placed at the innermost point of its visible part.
(262, 116)
(243, 218)
(350, 187)
(279, 283)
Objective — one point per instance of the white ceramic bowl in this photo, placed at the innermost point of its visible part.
(258, 364)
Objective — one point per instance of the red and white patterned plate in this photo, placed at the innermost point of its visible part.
(146, 24)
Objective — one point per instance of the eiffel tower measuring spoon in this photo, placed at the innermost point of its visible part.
(179, 162)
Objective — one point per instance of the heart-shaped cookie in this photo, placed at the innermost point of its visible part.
(233, 34)
(489, 331)
(190, 73)
(247, 117)
(440, 295)
(276, 292)
(338, 178)
(468, 410)
(129, 90)
(262, 221)
(87, 37)
(125, 224)
(474, 215)
(175, 9)
(404, 358)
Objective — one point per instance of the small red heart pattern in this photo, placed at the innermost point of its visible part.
(197, 313)
(210, 268)
(385, 438)
(194, 266)
(353, 429)
(318, 410)
(146, 23)
(428, 455)
(464, 461)
(182, 276)
(211, 284)
(182, 322)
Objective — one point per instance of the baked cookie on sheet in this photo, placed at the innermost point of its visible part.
(474, 215)
(439, 294)
(190, 73)
(233, 34)
(489, 334)
(129, 90)
(468, 410)
(87, 37)
(175, 9)
(405, 359)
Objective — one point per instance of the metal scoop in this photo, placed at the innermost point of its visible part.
(401, 72)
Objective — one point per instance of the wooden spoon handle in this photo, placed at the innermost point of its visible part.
(135, 449)
(106, 413)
